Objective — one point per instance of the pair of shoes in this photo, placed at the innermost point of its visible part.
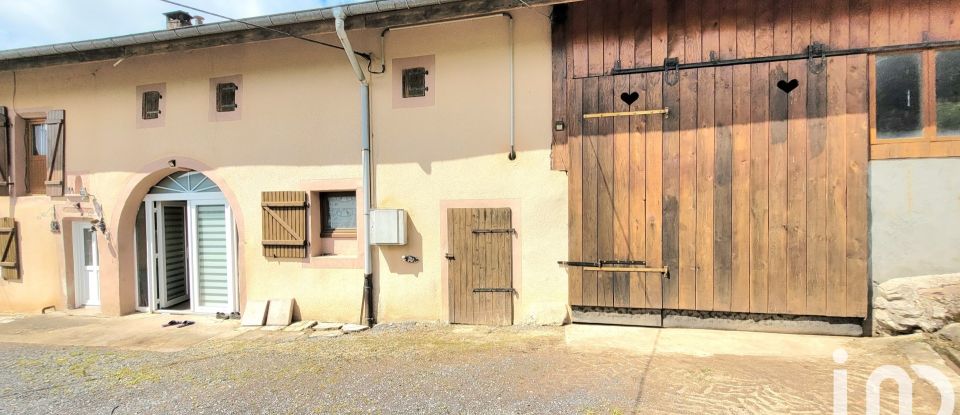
(172, 323)
(222, 316)
(186, 323)
(235, 315)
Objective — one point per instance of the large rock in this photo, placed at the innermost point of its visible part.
(926, 303)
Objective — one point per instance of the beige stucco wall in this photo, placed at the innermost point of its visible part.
(300, 124)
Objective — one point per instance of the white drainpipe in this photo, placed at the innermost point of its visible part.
(339, 15)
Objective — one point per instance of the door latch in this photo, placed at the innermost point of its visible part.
(449, 257)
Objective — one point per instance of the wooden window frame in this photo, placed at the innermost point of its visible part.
(929, 144)
(345, 233)
(29, 143)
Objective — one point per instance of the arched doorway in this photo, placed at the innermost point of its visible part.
(186, 247)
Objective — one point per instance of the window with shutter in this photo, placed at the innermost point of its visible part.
(415, 82)
(227, 97)
(4, 152)
(56, 131)
(151, 105)
(284, 224)
(10, 246)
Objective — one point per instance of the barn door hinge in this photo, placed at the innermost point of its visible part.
(493, 290)
(671, 65)
(510, 230)
(816, 57)
(602, 263)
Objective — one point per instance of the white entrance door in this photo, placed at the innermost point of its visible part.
(87, 264)
(172, 259)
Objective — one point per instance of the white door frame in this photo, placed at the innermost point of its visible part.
(161, 259)
(192, 200)
(82, 289)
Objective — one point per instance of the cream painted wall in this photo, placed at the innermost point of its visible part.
(300, 123)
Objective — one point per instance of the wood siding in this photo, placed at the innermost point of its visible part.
(753, 197)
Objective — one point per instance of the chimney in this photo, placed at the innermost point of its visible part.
(198, 19)
(176, 19)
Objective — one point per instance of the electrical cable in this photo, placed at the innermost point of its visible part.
(329, 45)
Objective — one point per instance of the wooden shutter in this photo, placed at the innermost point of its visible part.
(284, 224)
(4, 152)
(55, 146)
(9, 244)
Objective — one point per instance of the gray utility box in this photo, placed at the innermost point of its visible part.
(388, 227)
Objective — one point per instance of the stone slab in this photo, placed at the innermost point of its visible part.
(353, 328)
(255, 314)
(951, 332)
(327, 326)
(280, 312)
(327, 333)
(272, 328)
(301, 325)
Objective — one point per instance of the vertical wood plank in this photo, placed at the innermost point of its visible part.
(857, 208)
(710, 29)
(453, 267)
(777, 234)
(693, 32)
(611, 34)
(746, 28)
(636, 187)
(638, 32)
(800, 32)
(605, 190)
(796, 190)
(836, 225)
(820, 21)
(759, 184)
(728, 29)
(763, 27)
(687, 267)
(476, 266)
(590, 185)
(575, 188)
(740, 187)
(628, 15)
(840, 24)
(919, 15)
(944, 20)
(658, 35)
(782, 27)
(595, 31)
(860, 25)
(723, 190)
(706, 132)
(559, 151)
(879, 22)
(579, 38)
(899, 22)
(816, 197)
(671, 173)
(654, 193)
(676, 29)
(623, 171)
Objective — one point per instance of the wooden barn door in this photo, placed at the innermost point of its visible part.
(480, 266)
(752, 191)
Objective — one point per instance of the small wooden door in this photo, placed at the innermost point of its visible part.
(480, 261)
(87, 264)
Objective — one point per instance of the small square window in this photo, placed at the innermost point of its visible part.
(415, 82)
(338, 214)
(151, 105)
(227, 97)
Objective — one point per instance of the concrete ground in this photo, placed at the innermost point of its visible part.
(127, 365)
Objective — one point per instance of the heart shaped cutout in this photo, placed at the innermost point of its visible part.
(788, 86)
(629, 98)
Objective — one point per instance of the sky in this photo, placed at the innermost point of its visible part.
(26, 23)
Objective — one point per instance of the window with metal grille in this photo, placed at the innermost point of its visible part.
(415, 82)
(151, 105)
(338, 212)
(227, 97)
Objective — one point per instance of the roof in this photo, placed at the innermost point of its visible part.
(366, 14)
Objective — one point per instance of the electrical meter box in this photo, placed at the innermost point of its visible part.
(388, 227)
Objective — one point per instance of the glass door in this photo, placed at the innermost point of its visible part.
(172, 281)
(212, 265)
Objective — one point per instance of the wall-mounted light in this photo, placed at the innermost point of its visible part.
(172, 163)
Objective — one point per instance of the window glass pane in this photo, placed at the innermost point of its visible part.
(39, 139)
(340, 211)
(899, 112)
(948, 93)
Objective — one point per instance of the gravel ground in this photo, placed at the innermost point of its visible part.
(421, 369)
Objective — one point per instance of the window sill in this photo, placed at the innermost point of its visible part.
(914, 149)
